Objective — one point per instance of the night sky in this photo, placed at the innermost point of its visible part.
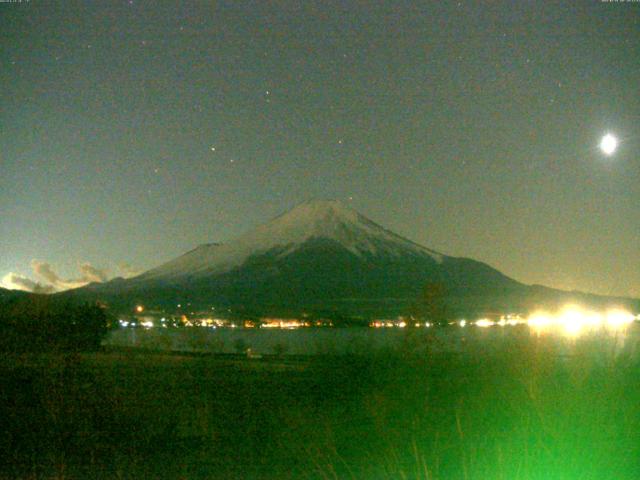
(132, 131)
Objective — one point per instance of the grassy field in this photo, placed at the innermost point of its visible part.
(523, 412)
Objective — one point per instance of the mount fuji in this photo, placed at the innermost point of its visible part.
(319, 257)
(321, 222)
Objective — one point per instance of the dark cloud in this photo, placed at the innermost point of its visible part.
(88, 274)
(45, 272)
(51, 282)
(93, 274)
(15, 281)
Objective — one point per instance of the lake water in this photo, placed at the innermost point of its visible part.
(318, 341)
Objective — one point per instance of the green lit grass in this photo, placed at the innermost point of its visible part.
(522, 411)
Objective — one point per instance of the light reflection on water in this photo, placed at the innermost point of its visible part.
(607, 334)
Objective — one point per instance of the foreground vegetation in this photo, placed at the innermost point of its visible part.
(523, 412)
(38, 323)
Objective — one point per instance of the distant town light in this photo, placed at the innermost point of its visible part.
(139, 308)
(574, 320)
(484, 322)
(539, 321)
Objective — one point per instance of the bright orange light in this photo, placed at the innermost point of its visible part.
(139, 308)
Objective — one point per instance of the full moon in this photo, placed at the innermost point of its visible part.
(608, 144)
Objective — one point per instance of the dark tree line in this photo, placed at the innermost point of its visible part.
(39, 324)
(431, 305)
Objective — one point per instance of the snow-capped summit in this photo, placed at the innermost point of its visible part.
(328, 220)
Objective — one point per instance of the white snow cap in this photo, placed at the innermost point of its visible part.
(320, 219)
